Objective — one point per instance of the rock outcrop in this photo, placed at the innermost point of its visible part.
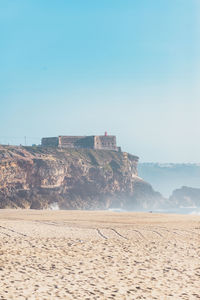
(185, 197)
(39, 178)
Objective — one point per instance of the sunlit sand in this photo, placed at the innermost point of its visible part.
(98, 255)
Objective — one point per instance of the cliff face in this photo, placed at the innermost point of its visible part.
(185, 196)
(36, 177)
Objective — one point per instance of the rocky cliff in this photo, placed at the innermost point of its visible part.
(186, 197)
(37, 177)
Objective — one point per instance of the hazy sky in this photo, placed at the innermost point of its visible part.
(82, 67)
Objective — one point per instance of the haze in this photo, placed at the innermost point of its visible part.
(83, 67)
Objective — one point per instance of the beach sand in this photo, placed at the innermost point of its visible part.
(98, 255)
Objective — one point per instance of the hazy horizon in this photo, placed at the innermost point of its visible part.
(131, 68)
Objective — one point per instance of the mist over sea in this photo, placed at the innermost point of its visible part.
(167, 177)
(179, 210)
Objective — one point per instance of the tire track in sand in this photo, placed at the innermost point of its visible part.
(101, 234)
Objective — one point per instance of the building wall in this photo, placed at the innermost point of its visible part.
(105, 142)
(76, 141)
(86, 142)
(50, 142)
(90, 142)
(69, 141)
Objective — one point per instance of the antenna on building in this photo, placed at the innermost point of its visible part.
(25, 140)
(106, 133)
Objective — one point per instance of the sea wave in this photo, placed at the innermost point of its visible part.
(195, 212)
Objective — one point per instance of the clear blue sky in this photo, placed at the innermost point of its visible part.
(131, 67)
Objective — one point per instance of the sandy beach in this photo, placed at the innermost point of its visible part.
(98, 255)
